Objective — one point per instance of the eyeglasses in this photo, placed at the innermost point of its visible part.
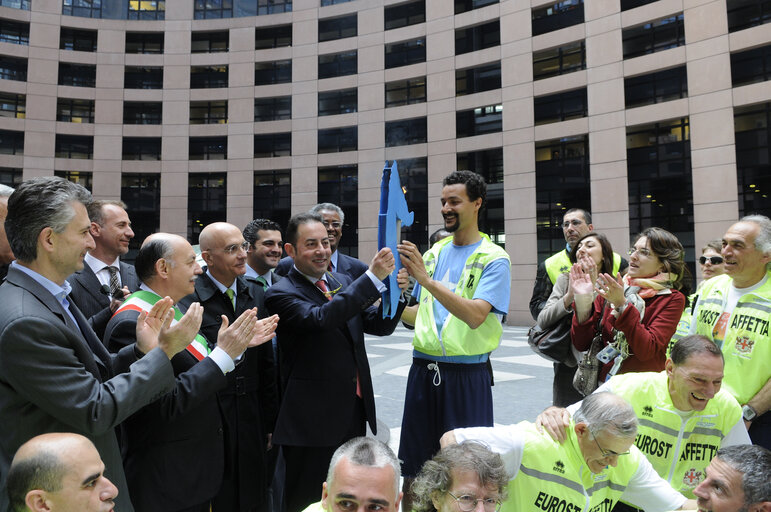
(335, 225)
(230, 249)
(715, 260)
(468, 503)
(574, 222)
(607, 453)
(642, 251)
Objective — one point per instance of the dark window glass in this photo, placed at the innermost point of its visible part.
(144, 42)
(11, 143)
(405, 92)
(747, 13)
(403, 15)
(209, 42)
(325, 3)
(264, 7)
(208, 148)
(560, 60)
(556, 16)
(273, 37)
(273, 196)
(338, 64)
(16, 4)
(653, 36)
(212, 9)
(479, 121)
(659, 180)
(209, 112)
(78, 75)
(753, 158)
(413, 175)
(14, 32)
(206, 201)
(208, 77)
(136, 77)
(470, 5)
(658, 87)
(631, 4)
(141, 148)
(273, 72)
(84, 179)
(13, 105)
(344, 101)
(337, 28)
(147, 10)
(78, 40)
(751, 66)
(142, 112)
(489, 164)
(476, 38)
(340, 185)
(405, 53)
(82, 8)
(561, 183)
(12, 68)
(74, 146)
(273, 109)
(10, 176)
(560, 107)
(74, 111)
(473, 80)
(272, 144)
(336, 140)
(142, 195)
(406, 132)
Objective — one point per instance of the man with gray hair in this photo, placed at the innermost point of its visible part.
(737, 481)
(6, 254)
(597, 466)
(734, 311)
(363, 474)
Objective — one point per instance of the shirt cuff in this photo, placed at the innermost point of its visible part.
(223, 360)
(377, 282)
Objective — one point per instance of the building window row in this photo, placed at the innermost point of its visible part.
(13, 105)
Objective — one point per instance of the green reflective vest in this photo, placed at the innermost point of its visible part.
(554, 477)
(559, 263)
(746, 344)
(458, 339)
(678, 447)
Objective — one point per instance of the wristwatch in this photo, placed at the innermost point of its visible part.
(748, 413)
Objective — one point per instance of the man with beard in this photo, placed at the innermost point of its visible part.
(463, 291)
(737, 481)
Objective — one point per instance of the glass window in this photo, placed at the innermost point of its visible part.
(136, 77)
(405, 92)
(560, 107)
(141, 148)
(11, 142)
(273, 109)
(747, 13)
(653, 36)
(631, 4)
(753, 158)
(273, 72)
(84, 179)
(12, 68)
(246, 8)
(556, 16)
(337, 28)
(268, 145)
(339, 185)
(336, 140)
(272, 37)
(751, 66)
(71, 110)
(338, 64)
(13, 105)
(479, 121)
(209, 112)
(209, 42)
(413, 175)
(273, 196)
(489, 164)
(74, 146)
(325, 3)
(206, 201)
(403, 15)
(212, 9)
(142, 195)
(208, 148)
(473, 80)
(208, 77)
(470, 5)
(77, 75)
(343, 101)
(405, 53)
(476, 38)
(144, 42)
(147, 9)
(82, 8)
(142, 112)
(558, 61)
(10, 176)
(14, 32)
(670, 84)
(406, 132)
(561, 183)
(15, 4)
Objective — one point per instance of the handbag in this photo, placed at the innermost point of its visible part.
(554, 342)
(588, 371)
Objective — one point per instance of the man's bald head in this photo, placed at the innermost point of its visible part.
(223, 248)
(166, 263)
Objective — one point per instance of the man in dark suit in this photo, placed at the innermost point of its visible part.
(332, 218)
(55, 374)
(328, 395)
(174, 450)
(264, 252)
(103, 271)
(248, 402)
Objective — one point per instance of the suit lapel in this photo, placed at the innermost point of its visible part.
(101, 356)
(88, 281)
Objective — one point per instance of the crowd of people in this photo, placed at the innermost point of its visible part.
(244, 385)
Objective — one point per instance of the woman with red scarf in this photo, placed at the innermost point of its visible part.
(639, 312)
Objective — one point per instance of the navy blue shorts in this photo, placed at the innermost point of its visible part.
(459, 395)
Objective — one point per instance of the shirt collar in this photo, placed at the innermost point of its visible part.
(250, 272)
(97, 264)
(221, 287)
(311, 278)
(334, 260)
(60, 292)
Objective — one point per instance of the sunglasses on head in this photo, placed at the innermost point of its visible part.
(715, 260)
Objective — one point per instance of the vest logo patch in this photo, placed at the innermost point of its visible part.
(559, 467)
(692, 478)
(744, 344)
(564, 269)
(470, 281)
(648, 411)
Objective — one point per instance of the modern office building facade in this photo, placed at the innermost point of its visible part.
(645, 112)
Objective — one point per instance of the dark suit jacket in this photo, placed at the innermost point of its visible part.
(248, 401)
(321, 345)
(56, 376)
(347, 265)
(173, 448)
(88, 297)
